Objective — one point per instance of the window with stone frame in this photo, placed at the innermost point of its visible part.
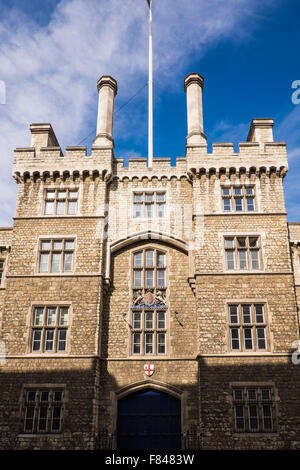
(42, 410)
(149, 324)
(248, 328)
(56, 255)
(61, 201)
(243, 252)
(238, 198)
(49, 329)
(254, 409)
(149, 204)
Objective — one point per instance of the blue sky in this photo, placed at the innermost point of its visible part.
(53, 52)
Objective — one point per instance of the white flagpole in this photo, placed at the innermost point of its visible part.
(150, 92)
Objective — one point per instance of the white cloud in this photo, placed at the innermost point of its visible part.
(51, 71)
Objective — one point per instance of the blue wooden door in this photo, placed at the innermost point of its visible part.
(149, 420)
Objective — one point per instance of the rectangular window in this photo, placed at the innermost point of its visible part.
(42, 410)
(61, 201)
(248, 330)
(254, 409)
(149, 332)
(243, 253)
(149, 204)
(56, 256)
(49, 329)
(238, 198)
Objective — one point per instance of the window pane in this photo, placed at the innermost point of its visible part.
(45, 245)
(62, 340)
(36, 340)
(229, 243)
(137, 260)
(61, 195)
(68, 259)
(252, 394)
(227, 205)
(233, 314)
(55, 268)
(56, 418)
(50, 195)
(29, 418)
(137, 210)
(63, 315)
(73, 195)
(250, 204)
(137, 278)
(60, 208)
(237, 191)
(259, 313)
(246, 309)
(149, 210)
(49, 208)
(248, 338)
(137, 324)
(254, 259)
(44, 261)
(239, 418)
(230, 259)
(57, 245)
(235, 339)
(267, 417)
(44, 396)
(136, 343)
(138, 198)
(149, 259)
(38, 316)
(242, 259)
(42, 419)
(149, 343)
(241, 242)
(160, 210)
(161, 278)
(72, 207)
(161, 260)
(149, 197)
(161, 320)
(249, 191)
(69, 244)
(49, 340)
(161, 343)
(160, 197)
(149, 278)
(253, 417)
(51, 316)
(149, 320)
(238, 204)
(261, 338)
(266, 394)
(238, 394)
(226, 191)
(253, 242)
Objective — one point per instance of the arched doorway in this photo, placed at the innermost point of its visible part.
(149, 420)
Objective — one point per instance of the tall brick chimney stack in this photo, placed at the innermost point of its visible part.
(107, 90)
(193, 86)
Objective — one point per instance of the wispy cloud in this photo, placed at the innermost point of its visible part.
(51, 70)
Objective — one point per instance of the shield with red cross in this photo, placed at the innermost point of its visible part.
(149, 369)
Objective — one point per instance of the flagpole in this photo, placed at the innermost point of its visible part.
(150, 91)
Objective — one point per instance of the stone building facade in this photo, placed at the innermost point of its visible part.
(150, 308)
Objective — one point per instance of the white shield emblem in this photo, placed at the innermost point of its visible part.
(149, 369)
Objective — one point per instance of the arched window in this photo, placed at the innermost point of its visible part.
(149, 322)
